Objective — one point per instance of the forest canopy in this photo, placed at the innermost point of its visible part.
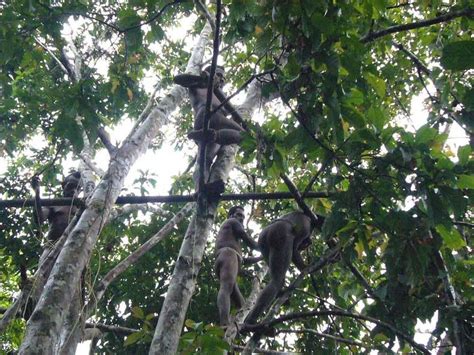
(361, 112)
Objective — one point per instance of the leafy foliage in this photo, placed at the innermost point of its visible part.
(402, 190)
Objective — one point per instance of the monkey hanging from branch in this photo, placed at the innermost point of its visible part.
(222, 130)
(280, 243)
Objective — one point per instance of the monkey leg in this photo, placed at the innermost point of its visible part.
(219, 121)
(221, 137)
(278, 262)
(228, 136)
(237, 297)
(190, 81)
(200, 136)
(228, 268)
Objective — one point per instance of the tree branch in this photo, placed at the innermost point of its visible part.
(91, 165)
(105, 139)
(469, 12)
(122, 200)
(202, 8)
(135, 256)
(334, 312)
(315, 221)
(112, 328)
(324, 335)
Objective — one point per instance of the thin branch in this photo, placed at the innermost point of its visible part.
(315, 221)
(324, 335)
(451, 300)
(202, 8)
(469, 12)
(333, 312)
(359, 277)
(464, 224)
(138, 253)
(112, 328)
(316, 176)
(154, 17)
(105, 139)
(403, 4)
(126, 210)
(115, 27)
(56, 59)
(259, 350)
(122, 200)
(91, 165)
(419, 64)
(225, 100)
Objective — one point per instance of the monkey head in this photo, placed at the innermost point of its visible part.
(219, 76)
(71, 184)
(237, 212)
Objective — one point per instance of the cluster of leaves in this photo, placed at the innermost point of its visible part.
(398, 194)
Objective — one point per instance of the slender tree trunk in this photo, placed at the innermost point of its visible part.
(73, 325)
(43, 330)
(183, 281)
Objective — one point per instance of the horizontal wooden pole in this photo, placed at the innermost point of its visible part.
(122, 200)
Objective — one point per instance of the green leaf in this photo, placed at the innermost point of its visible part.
(425, 134)
(377, 117)
(377, 84)
(137, 312)
(133, 338)
(466, 182)
(189, 323)
(451, 237)
(463, 154)
(458, 55)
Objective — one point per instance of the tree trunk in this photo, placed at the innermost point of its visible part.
(188, 263)
(43, 330)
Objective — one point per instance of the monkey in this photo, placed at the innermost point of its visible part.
(228, 261)
(57, 216)
(280, 243)
(222, 130)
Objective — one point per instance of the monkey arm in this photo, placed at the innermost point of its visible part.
(228, 106)
(297, 259)
(305, 243)
(39, 213)
(190, 81)
(242, 234)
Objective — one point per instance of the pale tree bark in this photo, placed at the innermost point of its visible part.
(43, 329)
(188, 263)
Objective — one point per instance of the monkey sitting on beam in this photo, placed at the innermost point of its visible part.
(280, 243)
(57, 216)
(222, 130)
